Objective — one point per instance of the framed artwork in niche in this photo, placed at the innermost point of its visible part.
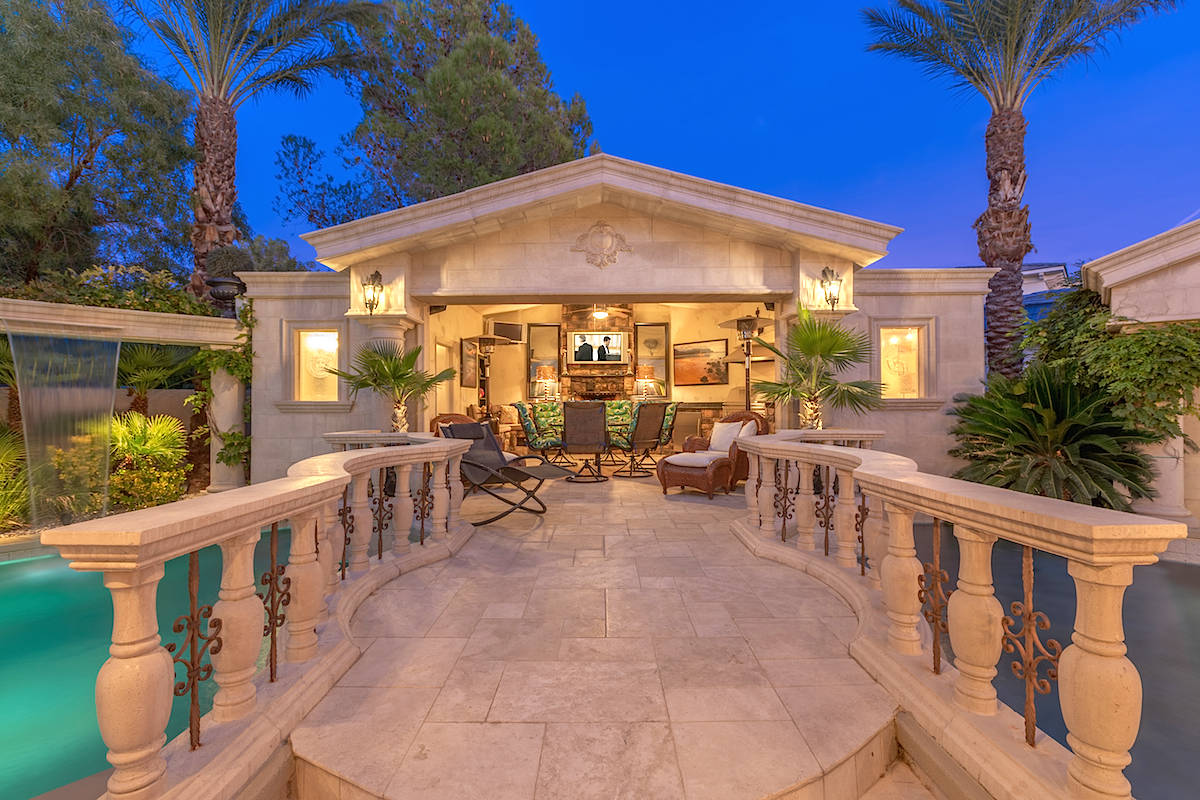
(701, 363)
(469, 375)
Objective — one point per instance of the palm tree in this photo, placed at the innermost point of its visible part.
(384, 367)
(1045, 435)
(230, 50)
(143, 367)
(817, 351)
(1003, 49)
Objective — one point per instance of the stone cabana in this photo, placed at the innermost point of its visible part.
(662, 247)
(1157, 281)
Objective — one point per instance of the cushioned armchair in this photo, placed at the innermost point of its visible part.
(537, 439)
(709, 464)
(618, 419)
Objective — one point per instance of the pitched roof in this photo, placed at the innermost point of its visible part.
(596, 179)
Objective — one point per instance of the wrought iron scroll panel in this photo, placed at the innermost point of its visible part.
(194, 646)
(934, 597)
(1027, 644)
(785, 498)
(275, 598)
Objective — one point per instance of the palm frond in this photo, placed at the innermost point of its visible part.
(385, 367)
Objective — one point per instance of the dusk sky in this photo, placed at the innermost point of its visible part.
(782, 98)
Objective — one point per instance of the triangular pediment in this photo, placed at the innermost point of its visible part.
(603, 180)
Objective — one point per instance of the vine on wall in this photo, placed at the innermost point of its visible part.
(239, 363)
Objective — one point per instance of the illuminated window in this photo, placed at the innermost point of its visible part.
(900, 362)
(316, 352)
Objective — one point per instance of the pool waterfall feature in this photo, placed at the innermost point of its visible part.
(67, 384)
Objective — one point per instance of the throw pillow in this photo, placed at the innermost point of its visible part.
(723, 434)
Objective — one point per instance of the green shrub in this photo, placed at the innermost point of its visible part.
(1044, 435)
(149, 466)
(81, 470)
(14, 484)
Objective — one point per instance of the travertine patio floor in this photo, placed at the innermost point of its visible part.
(625, 645)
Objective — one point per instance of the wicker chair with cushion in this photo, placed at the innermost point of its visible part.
(642, 439)
(537, 440)
(712, 463)
(585, 433)
(668, 429)
(441, 420)
(618, 418)
(485, 467)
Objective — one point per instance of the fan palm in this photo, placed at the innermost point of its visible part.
(817, 351)
(383, 366)
(1003, 49)
(230, 50)
(143, 367)
(1042, 435)
(8, 376)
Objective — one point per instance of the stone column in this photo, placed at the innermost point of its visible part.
(1100, 689)
(241, 615)
(307, 589)
(1167, 458)
(875, 539)
(224, 414)
(360, 539)
(898, 574)
(454, 478)
(134, 688)
(974, 616)
(751, 495)
(843, 516)
(329, 547)
(402, 510)
(766, 497)
(441, 497)
(806, 516)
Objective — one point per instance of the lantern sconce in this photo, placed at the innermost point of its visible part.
(831, 285)
(372, 291)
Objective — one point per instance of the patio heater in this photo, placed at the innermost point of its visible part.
(747, 328)
(486, 344)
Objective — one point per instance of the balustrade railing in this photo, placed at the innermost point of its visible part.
(326, 502)
(858, 507)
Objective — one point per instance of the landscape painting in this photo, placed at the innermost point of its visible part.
(701, 363)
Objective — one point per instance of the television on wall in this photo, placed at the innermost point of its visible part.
(597, 347)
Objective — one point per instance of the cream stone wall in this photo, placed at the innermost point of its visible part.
(284, 431)
(950, 303)
(1171, 293)
(450, 327)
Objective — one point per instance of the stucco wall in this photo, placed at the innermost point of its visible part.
(951, 302)
(282, 431)
(1170, 293)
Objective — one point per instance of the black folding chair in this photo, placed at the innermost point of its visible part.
(485, 467)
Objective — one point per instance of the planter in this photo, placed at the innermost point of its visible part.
(224, 291)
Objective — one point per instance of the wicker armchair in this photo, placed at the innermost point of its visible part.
(709, 470)
(740, 462)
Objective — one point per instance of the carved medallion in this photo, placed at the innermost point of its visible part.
(601, 243)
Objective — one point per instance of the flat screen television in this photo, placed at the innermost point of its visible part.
(595, 347)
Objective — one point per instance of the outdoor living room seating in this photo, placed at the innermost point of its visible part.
(585, 433)
(486, 467)
(713, 463)
(643, 437)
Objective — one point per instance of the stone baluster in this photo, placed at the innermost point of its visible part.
(441, 496)
(899, 573)
(806, 516)
(974, 616)
(241, 615)
(751, 495)
(329, 548)
(875, 539)
(360, 540)
(767, 521)
(307, 588)
(843, 520)
(134, 686)
(402, 510)
(1099, 688)
(454, 478)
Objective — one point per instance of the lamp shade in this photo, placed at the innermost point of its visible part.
(645, 372)
(545, 373)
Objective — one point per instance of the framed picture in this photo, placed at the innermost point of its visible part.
(469, 374)
(701, 363)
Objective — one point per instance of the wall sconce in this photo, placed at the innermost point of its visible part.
(831, 285)
(372, 291)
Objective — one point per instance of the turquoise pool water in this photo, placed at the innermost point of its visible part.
(55, 628)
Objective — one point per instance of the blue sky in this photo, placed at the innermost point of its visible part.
(782, 98)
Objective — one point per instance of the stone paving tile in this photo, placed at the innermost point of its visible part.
(622, 646)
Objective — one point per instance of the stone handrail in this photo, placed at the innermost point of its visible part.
(862, 504)
(323, 495)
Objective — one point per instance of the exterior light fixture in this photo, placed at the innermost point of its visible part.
(372, 291)
(831, 285)
(599, 313)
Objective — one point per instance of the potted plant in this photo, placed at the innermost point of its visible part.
(818, 350)
(383, 366)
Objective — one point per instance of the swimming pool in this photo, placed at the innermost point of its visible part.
(62, 620)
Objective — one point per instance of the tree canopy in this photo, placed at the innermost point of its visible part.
(93, 152)
(454, 95)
